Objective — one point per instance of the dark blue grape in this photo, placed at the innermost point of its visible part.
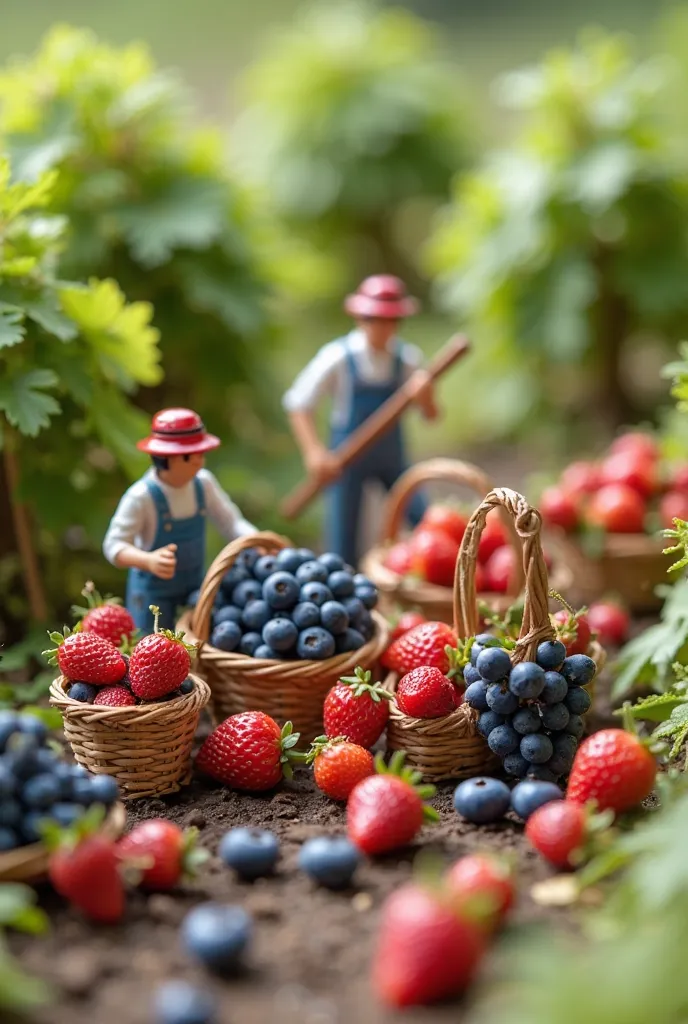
(578, 669)
(527, 680)
(476, 696)
(555, 717)
(526, 720)
(470, 675)
(576, 726)
(488, 721)
(515, 765)
(493, 664)
(503, 740)
(536, 748)
(550, 654)
(577, 700)
(555, 688)
(502, 701)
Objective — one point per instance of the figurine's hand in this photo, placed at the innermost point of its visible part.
(424, 395)
(163, 562)
(323, 464)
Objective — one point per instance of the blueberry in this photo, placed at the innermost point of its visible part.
(565, 747)
(578, 669)
(63, 773)
(331, 561)
(10, 813)
(216, 935)
(226, 636)
(333, 617)
(541, 772)
(527, 796)
(227, 614)
(8, 726)
(503, 740)
(488, 721)
(289, 559)
(66, 814)
(315, 593)
(249, 644)
(555, 717)
(192, 599)
(30, 827)
(306, 614)
(41, 791)
(366, 625)
(501, 701)
(31, 725)
(485, 638)
(82, 790)
(576, 726)
(237, 574)
(6, 781)
(349, 640)
(355, 609)
(178, 1002)
(104, 790)
(493, 664)
(536, 748)
(252, 852)
(244, 593)
(280, 634)
(311, 572)
(554, 690)
(470, 675)
(577, 700)
(9, 840)
(255, 615)
(329, 860)
(482, 800)
(476, 696)
(306, 555)
(264, 567)
(476, 650)
(526, 720)
(46, 760)
(281, 591)
(550, 654)
(315, 643)
(83, 692)
(266, 653)
(527, 680)
(367, 593)
(342, 585)
(247, 559)
(23, 756)
(515, 765)
(187, 686)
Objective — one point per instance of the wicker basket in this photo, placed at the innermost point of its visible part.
(436, 602)
(451, 747)
(30, 863)
(146, 748)
(289, 691)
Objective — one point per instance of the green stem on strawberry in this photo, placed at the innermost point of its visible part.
(87, 825)
(93, 600)
(177, 637)
(360, 683)
(289, 756)
(321, 743)
(411, 776)
(57, 639)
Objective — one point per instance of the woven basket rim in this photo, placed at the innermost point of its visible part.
(183, 703)
(616, 545)
(390, 683)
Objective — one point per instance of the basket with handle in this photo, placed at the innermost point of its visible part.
(288, 691)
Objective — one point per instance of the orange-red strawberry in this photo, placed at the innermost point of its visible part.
(447, 519)
(405, 622)
(84, 868)
(427, 693)
(249, 751)
(426, 949)
(105, 616)
(115, 697)
(481, 879)
(558, 831)
(356, 709)
(159, 663)
(339, 765)
(493, 536)
(86, 657)
(399, 558)
(163, 851)
(386, 810)
(433, 556)
(613, 768)
(425, 645)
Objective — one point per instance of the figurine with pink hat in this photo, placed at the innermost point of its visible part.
(358, 372)
(158, 529)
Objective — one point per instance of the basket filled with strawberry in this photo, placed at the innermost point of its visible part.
(278, 626)
(417, 571)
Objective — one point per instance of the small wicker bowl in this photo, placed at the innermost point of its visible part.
(147, 748)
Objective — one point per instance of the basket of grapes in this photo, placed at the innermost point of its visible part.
(519, 702)
(278, 626)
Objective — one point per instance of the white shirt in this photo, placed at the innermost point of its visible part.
(136, 519)
(327, 373)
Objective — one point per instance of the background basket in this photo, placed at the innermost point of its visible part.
(288, 691)
(147, 748)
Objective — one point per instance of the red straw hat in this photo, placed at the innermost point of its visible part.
(382, 296)
(178, 432)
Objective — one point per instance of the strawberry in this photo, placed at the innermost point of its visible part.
(559, 508)
(424, 645)
(427, 693)
(558, 831)
(165, 853)
(115, 697)
(159, 663)
(580, 479)
(445, 519)
(386, 810)
(674, 505)
(86, 657)
(105, 616)
(483, 879)
(426, 948)
(493, 536)
(614, 768)
(609, 622)
(405, 622)
(84, 868)
(248, 751)
(399, 558)
(500, 570)
(356, 709)
(434, 555)
(339, 765)
(573, 629)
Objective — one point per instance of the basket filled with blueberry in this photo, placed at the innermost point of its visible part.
(278, 626)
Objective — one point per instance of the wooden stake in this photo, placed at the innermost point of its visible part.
(22, 530)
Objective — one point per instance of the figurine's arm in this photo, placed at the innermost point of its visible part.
(131, 521)
(222, 511)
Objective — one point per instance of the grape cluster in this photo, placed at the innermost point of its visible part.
(531, 713)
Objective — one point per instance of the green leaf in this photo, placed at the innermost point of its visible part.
(675, 728)
(46, 312)
(648, 658)
(120, 425)
(24, 404)
(12, 328)
(18, 908)
(656, 708)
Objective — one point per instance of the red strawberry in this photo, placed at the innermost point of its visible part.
(641, 445)
(559, 508)
(399, 558)
(674, 505)
(446, 519)
(558, 831)
(405, 622)
(386, 810)
(679, 480)
(427, 693)
(580, 479)
(573, 629)
(338, 766)
(617, 508)
(115, 697)
(609, 622)
(86, 657)
(631, 470)
(613, 768)
(434, 555)
(84, 868)
(159, 663)
(249, 751)
(483, 879)
(493, 536)
(165, 853)
(426, 949)
(424, 645)
(105, 616)
(500, 570)
(356, 709)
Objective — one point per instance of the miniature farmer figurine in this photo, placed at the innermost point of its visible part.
(158, 530)
(358, 372)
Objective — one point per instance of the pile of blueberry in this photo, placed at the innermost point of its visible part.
(531, 713)
(35, 784)
(294, 604)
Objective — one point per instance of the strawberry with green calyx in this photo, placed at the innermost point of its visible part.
(160, 662)
(164, 853)
(387, 809)
(405, 621)
(613, 767)
(424, 645)
(484, 885)
(356, 709)
(104, 616)
(339, 765)
(84, 867)
(86, 657)
(571, 627)
(249, 752)
(568, 834)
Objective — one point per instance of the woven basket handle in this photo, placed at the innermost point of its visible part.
(267, 541)
(527, 522)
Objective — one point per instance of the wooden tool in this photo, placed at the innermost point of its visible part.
(377, 424)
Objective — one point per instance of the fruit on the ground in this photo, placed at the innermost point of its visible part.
(674, 505)
(424, 645)
(217, 935)
(493, 536)
(499, 571)
(330, 860)
(105, 616)
(559, 508)
(617, 508)
(86, 657)
(399, 558)
(530, 794)
(248, 751)
(632, 470)
(86, 871)
(339, 765)
(557, 830)
(179, 1002)
(433, 557)
(114, 697)
(482, 878)
(251, 852)
(356, 709)
(405, 622)
(482, 800)
(426, 693)
(427, 949)
(164, 853)
(573, 629)
(614, 768)
(386, 810)
(159, 663)
(610, 622)
(445, 519)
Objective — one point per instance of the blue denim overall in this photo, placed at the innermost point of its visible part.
(145, 589)
(384, 462)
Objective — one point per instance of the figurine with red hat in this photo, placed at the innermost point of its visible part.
(158, 530)
(358, 372)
